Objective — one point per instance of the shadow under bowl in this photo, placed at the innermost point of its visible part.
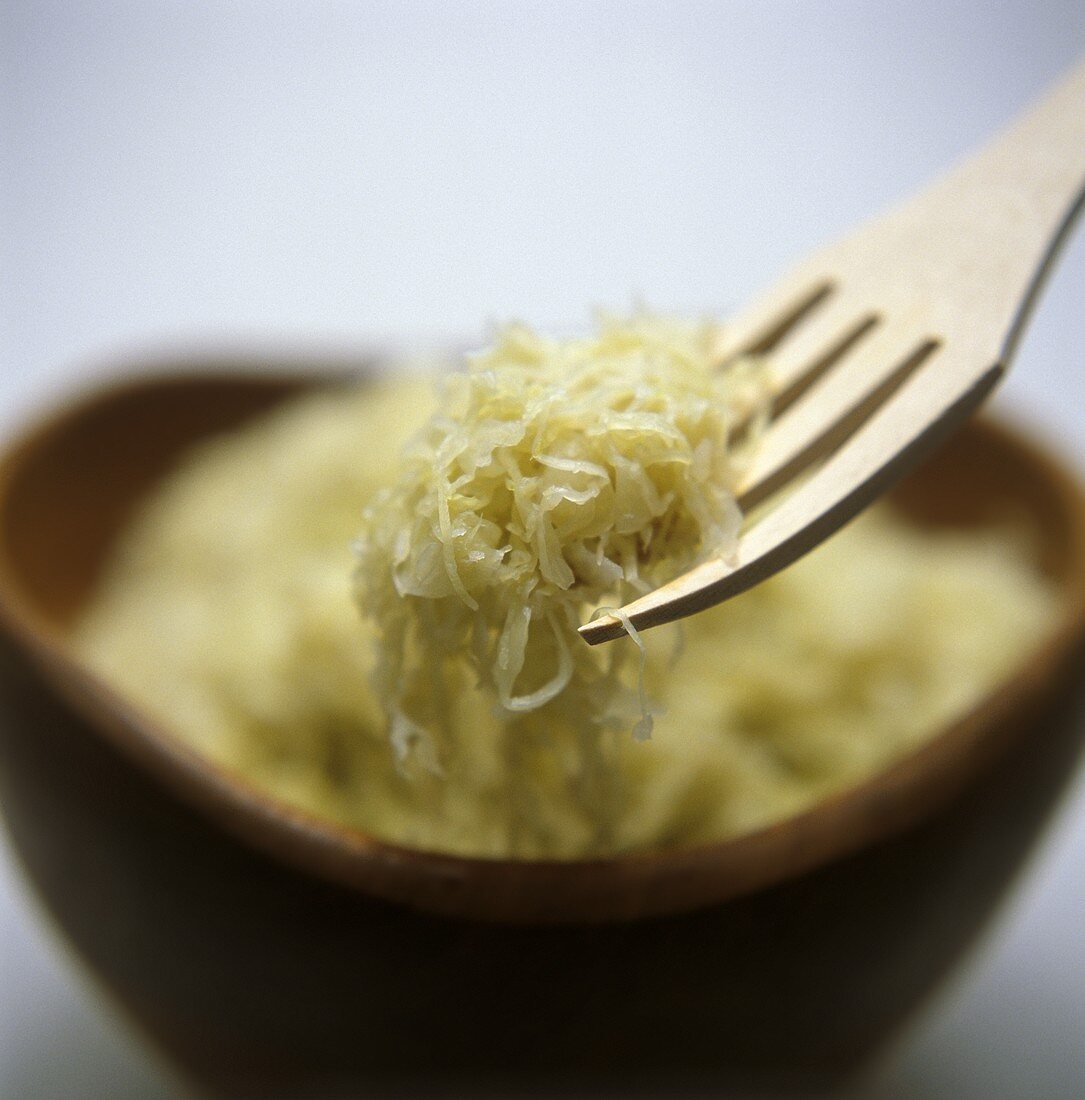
(264, 949)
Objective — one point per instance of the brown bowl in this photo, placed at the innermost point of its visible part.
(259, 944)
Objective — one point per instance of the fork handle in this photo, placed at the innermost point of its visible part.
(1029, 181)
(977, 244)
(1035, 169)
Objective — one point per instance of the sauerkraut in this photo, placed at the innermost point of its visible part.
(556, 474)
(228, 611)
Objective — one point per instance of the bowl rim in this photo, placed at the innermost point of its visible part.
(626, 886)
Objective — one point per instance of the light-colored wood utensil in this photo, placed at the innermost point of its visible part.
(885, 341)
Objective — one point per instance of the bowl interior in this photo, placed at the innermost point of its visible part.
(68, 488)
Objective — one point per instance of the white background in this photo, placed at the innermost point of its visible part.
(317, 173)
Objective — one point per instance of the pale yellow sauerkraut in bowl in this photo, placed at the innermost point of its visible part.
(366, 603)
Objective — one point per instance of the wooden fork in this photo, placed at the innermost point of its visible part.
(882, 343)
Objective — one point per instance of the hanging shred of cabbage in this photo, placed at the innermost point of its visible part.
(556, 475)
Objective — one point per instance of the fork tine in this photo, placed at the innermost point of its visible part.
(817, 343)
(762, 325)
(807, 339)
(827, 413)
(923, 412)
(790, 383)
